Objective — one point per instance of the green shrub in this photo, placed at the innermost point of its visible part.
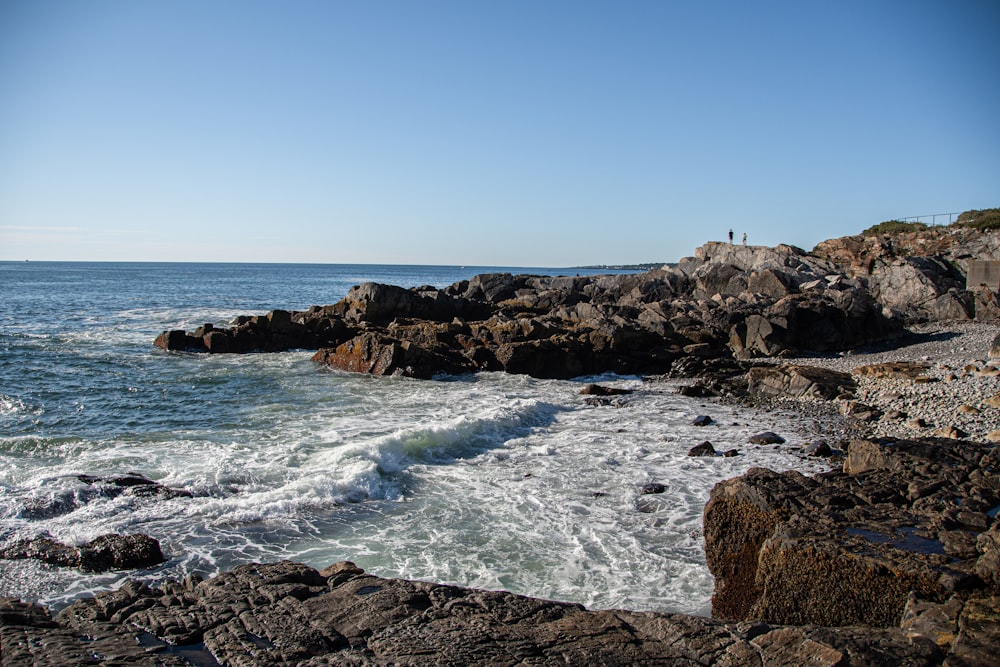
(986, 219)
(894, 227)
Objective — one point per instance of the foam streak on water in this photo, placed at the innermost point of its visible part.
(491, 480)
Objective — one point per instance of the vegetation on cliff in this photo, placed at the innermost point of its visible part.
(975, 219)
(986, 219)
(894, 227)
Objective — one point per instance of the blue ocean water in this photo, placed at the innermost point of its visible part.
(486, 480)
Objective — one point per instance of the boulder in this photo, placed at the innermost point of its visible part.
(819, 322)
(766, 438)
(921, 287)
(797, 381)
(704, 449)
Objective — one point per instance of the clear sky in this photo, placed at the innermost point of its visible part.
(518, 133)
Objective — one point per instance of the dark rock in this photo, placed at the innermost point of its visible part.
(378, 354)
(697, 391)
(599, 390)
(132, 484)
(859, 411)
(597, 401)
(818, 448)
(120, 552)
(179, 340)
(653, 487)
(702, 420)
(564, 327)
(766, 438)
(729, 453)
(704, 449)
(286, 613)
(107, 552)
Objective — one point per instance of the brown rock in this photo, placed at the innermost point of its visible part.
(286, 613)
(848, 548)
(907, 370)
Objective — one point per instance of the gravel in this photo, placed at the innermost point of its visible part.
(960, 379)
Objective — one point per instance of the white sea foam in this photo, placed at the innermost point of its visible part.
(490, 480)
(493, 481)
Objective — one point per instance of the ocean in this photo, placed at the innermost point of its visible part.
(491, 480)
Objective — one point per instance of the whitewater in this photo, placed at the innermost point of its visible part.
(490, 480)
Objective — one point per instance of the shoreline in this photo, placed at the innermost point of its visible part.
(396, 623)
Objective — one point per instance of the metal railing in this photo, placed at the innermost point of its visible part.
(933, 217)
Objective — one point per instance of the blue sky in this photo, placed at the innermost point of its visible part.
(484, 133)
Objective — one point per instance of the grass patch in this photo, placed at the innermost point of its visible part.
(986, 219)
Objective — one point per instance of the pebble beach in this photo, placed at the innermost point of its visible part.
(953, 395)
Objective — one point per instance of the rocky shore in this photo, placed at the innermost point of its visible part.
(891, 558)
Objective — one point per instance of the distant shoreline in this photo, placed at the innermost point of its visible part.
(623, 267)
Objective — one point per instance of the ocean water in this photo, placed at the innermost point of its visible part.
(489, 480)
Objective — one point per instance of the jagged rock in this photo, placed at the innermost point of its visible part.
(561, 327)
(823, 322)
(286, 613)
(378, 354)
(795, 381)
(920, 286)
(132, 484)
(652, 488)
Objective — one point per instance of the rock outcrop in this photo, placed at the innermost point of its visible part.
(796, 381)
(740, 301)
(903, 521)
(289, 614)
(920, 275)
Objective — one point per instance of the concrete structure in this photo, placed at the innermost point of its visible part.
(983, 272)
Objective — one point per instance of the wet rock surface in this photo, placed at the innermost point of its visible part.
(289, 614)
(107, 552)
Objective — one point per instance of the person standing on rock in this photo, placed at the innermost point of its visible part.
(744, 238)
(730, 237)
